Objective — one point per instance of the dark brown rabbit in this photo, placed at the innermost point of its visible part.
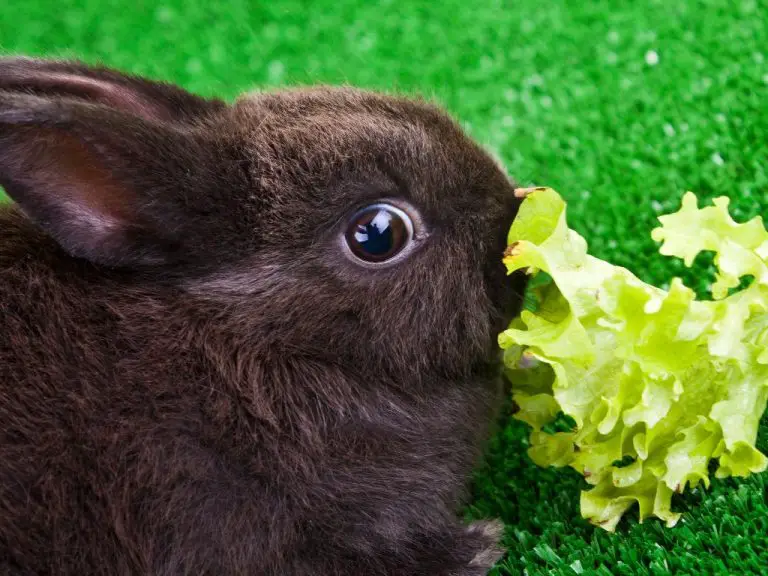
(247, 339)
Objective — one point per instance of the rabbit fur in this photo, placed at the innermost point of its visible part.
(194, 377)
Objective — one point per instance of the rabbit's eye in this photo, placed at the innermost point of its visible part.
(378, 233)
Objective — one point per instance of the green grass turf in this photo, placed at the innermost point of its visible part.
(570, 95)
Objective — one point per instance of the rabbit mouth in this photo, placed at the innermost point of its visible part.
(507, 298)
(505, 291)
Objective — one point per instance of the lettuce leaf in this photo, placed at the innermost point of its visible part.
(656, 378)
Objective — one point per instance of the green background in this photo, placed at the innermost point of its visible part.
(621, 106)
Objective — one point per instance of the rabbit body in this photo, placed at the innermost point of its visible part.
(194, 377)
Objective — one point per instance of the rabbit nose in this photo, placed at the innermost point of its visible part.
(512, 197)
(520, 194)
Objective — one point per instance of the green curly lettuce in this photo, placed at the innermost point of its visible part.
(657, 384)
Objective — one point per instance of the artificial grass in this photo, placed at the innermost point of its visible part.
(619, 106)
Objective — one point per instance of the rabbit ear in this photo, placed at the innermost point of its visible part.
(141, 97)
(107, 185)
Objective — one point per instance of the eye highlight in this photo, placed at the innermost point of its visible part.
(378, 233)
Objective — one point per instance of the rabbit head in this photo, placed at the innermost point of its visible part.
(363, 229)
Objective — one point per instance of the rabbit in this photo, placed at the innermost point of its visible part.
(255, 337)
